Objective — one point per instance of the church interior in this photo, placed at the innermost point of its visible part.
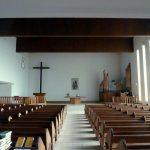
(74, 75)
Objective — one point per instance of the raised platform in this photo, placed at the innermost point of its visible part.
(68, 102)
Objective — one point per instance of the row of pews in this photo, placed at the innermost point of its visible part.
(43, 122)
(120, 126)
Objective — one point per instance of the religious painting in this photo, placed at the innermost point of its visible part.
(75, 83)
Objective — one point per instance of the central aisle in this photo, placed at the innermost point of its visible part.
(76, 133)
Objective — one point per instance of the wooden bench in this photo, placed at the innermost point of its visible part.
(30, 131)
(112, 139)
(38, 119)
(47, 117)
(127, 128)
(127, 120)
(123, 145)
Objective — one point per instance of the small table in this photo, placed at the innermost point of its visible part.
(75, 99)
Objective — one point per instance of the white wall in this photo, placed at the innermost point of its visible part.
(10, 66)
(75, 8)
(132, 58)
(88, 67)
(5, 89)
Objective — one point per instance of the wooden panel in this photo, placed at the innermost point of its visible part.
(74, 44)
(106, 96)
(74, 27)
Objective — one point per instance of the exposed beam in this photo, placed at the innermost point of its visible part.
(74, 44)
(101, 27)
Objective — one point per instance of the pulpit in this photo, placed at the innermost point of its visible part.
(40, 97)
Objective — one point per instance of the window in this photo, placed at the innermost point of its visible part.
(139, 74)
(145, 73)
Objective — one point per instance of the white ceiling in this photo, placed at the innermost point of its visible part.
(75, 8)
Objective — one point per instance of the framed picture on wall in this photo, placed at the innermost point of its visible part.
(74, 83)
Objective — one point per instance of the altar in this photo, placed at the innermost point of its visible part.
(75, 99)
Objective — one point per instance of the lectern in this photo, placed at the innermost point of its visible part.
(40, 97)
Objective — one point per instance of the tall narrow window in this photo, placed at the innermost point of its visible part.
(139, 74)
(145, 73)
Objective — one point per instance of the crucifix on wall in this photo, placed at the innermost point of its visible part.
(40, 96)
(41, 69)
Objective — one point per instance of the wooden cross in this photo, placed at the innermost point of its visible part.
(41, 68)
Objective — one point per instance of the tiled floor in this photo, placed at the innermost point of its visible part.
(76, 133)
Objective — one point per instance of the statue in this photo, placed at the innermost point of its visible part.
(105, 82)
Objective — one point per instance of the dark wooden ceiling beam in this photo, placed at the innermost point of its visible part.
(100, 27)
(74, 44)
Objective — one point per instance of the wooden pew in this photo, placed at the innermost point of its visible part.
(35, 123)
(30, 131)
(112, 114)
(128, 109)
(15, 113)
(39, 118)
(44, 119)
(123, 145)
(47, 114)
(61, 114)
(112, 139)
(117, 119)
(123, 128)
(43, 116)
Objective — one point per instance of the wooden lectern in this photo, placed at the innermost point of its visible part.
(40, 97)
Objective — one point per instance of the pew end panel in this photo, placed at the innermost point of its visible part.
(53, 134)
(49, 145)
(41, 145)
(123, 145)
(57, 128)
(101, 134)
(108, 139)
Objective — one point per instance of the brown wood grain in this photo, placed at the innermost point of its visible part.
(74, 44)
(74, 27)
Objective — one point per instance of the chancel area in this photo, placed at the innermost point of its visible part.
(75, 75)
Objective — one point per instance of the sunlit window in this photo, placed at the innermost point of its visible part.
(145, 73)
(139, 74)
